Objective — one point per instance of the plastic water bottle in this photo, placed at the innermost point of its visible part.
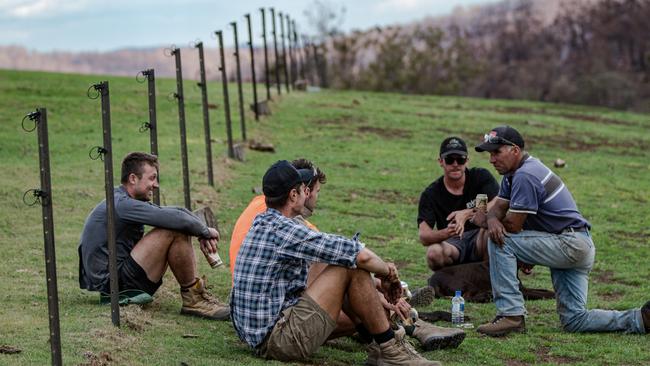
(457, 310)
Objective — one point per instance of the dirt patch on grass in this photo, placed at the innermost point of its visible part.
(386, 132)
(544, 355)
(353, 104)
(382, 195)
(611, 295)
(103, 359)
(135, 318)
(348, 165)
(544, 111)
(634, 235)
(345, 119)
(587, 142)
(607, 276)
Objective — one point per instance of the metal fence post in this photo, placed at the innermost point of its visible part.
(267, 79)
(242, 118)
(206, 113)
(152, 125)
(277, 58)
(226, 101)
(106, 154)
(180, 97)
(284, 52)
(44, 195)
(250, 47)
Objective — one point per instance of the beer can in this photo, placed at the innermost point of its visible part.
(481, 202)
(405, 291)
(214, 260)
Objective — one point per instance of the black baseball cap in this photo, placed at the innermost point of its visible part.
(281, 177)
(502, 135)
(453, 145)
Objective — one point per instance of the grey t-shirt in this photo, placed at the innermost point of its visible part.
(535, 190)
(130, 217)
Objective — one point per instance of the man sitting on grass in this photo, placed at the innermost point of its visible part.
(430, 336)
(143, 259)
(277, 314)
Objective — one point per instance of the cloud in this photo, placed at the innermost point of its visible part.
(39, 8)
(404, 5)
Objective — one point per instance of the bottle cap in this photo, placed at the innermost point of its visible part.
(458, 293)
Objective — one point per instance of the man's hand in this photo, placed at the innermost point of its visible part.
(210, 245)
(459, 218)
(480, 219)
(496, 230)
(391, 286)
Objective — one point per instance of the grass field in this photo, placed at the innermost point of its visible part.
(378, 151)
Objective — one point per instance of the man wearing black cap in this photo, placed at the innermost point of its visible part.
(272, 308)
(536, 221)
(447, 204)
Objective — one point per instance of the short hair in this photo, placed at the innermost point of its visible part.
(307, 164)
(133, 163)
(278, 202)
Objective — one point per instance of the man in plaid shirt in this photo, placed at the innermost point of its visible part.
(277, 314)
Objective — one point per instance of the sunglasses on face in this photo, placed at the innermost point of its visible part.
(449, 160)
(497, 140)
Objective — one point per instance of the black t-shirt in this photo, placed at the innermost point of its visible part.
(436, 203)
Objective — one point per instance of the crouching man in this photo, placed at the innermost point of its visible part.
(275, 312)
(142, 260)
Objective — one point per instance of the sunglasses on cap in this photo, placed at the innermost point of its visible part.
(497, 140)
(449, 159)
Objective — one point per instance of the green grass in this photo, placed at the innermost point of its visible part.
(378, 151)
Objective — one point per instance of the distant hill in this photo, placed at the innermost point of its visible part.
(127, 62)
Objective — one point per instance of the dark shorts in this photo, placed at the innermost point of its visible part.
(466, 247)
(302, 328)
(132, 277)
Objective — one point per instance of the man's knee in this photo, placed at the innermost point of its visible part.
(437, 258)
(572, 322)
(167, 235)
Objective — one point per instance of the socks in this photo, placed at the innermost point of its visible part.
(384, 337)
(190, 285)
(364, 334)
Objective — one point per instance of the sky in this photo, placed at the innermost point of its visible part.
(104, 25)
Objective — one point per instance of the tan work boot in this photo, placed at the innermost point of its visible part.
(398, 351)
(432, 337)
(198, 302)
(374, 353)
(503, 325)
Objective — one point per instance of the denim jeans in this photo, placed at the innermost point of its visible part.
(570, 256)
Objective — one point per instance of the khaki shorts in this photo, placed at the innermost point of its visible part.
(301, 329)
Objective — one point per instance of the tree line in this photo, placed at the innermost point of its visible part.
(594, 53)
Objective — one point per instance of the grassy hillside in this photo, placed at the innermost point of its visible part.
(378, 151)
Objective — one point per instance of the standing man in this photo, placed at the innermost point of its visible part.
(535, 220)
(142, 260)
(447, 204)
(273, 309)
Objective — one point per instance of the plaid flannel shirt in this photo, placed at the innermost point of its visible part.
(271, 270)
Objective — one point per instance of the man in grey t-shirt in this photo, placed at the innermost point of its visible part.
(142, 260)
(535, 220)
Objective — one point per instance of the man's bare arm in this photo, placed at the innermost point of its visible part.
(429, 236)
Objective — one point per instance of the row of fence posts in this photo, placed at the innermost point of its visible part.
(104, 153)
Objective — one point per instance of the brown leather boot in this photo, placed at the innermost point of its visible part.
(503, 325)
(198, 302)
(432, 337)
(422, 296)
(398, 351)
